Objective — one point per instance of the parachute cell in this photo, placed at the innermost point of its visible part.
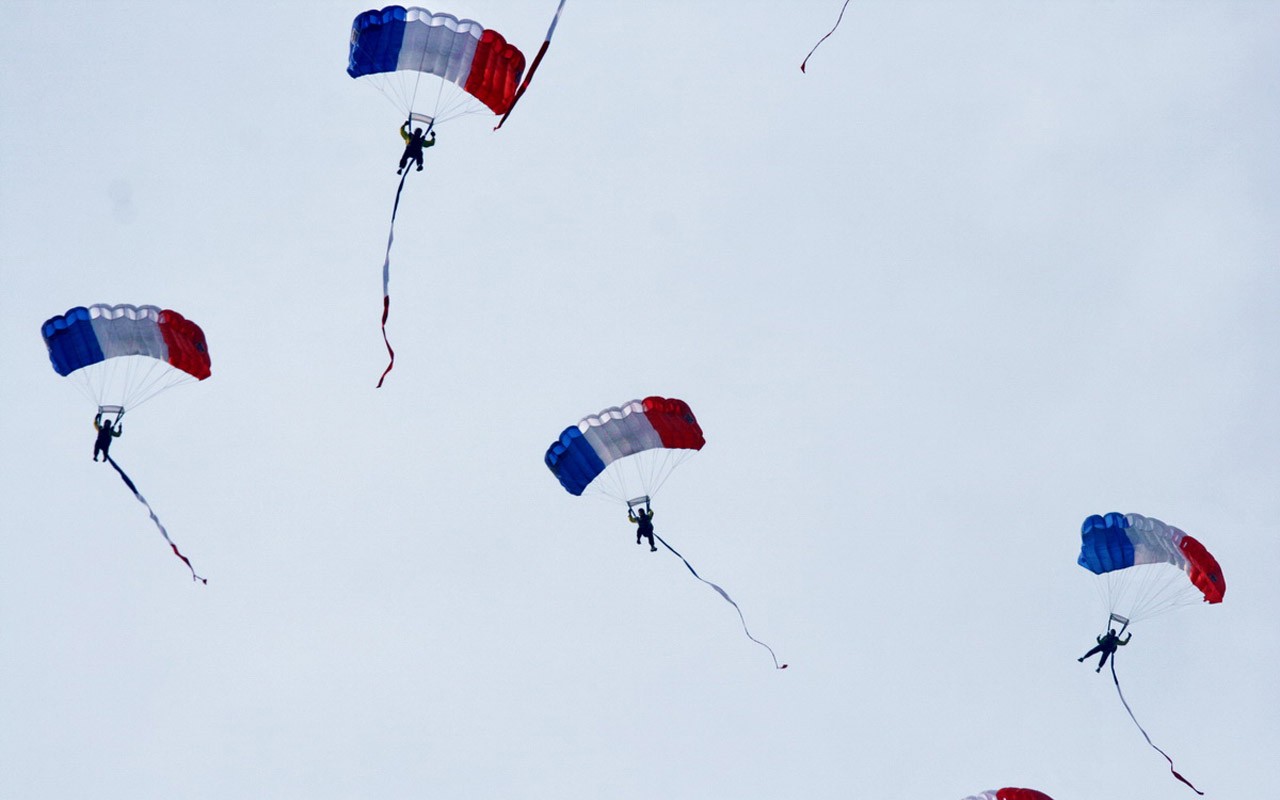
(584, 451)
(459, 51)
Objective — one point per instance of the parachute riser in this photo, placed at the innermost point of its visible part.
(1124, 622)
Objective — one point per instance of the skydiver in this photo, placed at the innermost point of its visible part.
(413, 145)
(645, 521)
(105, 434)
(1107, 645)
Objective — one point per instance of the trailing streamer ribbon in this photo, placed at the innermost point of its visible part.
(542, 51)
(1144, 733)
(824, 38)
(386, 278)
(726, 596)
(155, 519)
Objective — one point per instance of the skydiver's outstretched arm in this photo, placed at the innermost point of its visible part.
(97, 421)
(404, 131)
(632, 517)
(1120, 643)
(118, 430)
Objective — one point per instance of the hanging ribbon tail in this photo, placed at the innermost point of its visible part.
(727, 598)
(824, 38)
(542, 51)
(155, 519)
(386, 279)
(1144, 733)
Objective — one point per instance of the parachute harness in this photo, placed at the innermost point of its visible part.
(1140, 728)
(155, 519)
(728, 599)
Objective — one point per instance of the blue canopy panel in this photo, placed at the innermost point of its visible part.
(378, 49)
(1105, 544)
(72, 341)
(573, 461)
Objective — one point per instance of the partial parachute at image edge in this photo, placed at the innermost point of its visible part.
(1010, 793)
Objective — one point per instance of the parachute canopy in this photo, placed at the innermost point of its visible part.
(457, 51)
(1010, 793)
(126, 354)
(1149, 566)
(665, 428)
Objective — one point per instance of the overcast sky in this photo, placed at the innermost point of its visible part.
(988, 268)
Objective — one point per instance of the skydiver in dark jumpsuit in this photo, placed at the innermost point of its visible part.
(105, 434)
(643, 518)
(1107, 645)
(413, 146)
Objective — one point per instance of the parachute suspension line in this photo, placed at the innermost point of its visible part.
(413, 96)
(146, 382)
(1140, 728)
(666, 470)
(1145, 591)
(388, 87)
(446, 107)
(127, 381)
(386, 278)
(155, 519)
(728, 599)
(824, 38)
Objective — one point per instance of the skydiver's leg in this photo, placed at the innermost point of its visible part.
(1097, 649)
(418, 158)
(652, 548)
(404, 159)
(97, 448)
(1102, 662)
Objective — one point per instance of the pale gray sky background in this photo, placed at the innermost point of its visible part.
(987, 269)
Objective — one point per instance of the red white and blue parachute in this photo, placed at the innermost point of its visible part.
(1147, 566)
(1010, 793)
(625, 450)
(397, 45)
(469, 67)
(123, 354)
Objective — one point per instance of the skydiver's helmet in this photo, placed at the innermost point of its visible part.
(417, 132)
